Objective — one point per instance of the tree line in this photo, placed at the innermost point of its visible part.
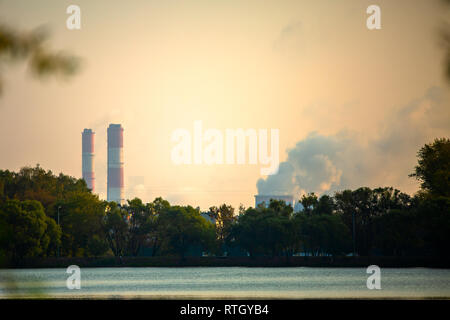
(48, 215)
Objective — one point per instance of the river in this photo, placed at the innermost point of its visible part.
(226, 283)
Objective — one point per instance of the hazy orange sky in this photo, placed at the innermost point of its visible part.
(353, 105)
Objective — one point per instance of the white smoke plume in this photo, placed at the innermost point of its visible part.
(324, 164)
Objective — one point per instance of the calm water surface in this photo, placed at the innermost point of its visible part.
(210, 283)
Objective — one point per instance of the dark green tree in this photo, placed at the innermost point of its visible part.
(325, 205)
(433, 168)
(159, 205)
(362, 206)
(116, 228)
(265, 231)
(396, 233)
(309, 202)
(182, 228)
(25, 230)
(82, 217)
(140, 224)
(323, 234)
(224, 218)
(34, 183)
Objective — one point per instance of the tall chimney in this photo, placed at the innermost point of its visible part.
(115, 164)
(87, 155)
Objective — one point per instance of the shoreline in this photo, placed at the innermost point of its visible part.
(208, 298)
(253, 262)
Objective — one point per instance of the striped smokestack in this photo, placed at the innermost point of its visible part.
(87, 155)
(115, 164)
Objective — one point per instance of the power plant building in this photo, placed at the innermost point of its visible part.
(115, 164)
(265, 199)
(87, 158)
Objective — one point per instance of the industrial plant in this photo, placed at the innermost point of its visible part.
(264, 200)
(87, 137)
(115, 180)
(115, 175)
(115, 164)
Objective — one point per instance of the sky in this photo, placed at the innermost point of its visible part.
(352, 105)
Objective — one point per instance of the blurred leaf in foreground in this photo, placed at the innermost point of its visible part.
(32, 47)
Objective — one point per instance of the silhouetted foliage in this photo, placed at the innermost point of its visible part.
(224, 218)
(32, 47)
(181, 228)
(25, 230)
(433, 169)
(385, 220)
(265, 230)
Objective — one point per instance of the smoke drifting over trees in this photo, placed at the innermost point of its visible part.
(325, 164)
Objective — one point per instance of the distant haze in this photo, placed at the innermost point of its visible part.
(352, 106)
